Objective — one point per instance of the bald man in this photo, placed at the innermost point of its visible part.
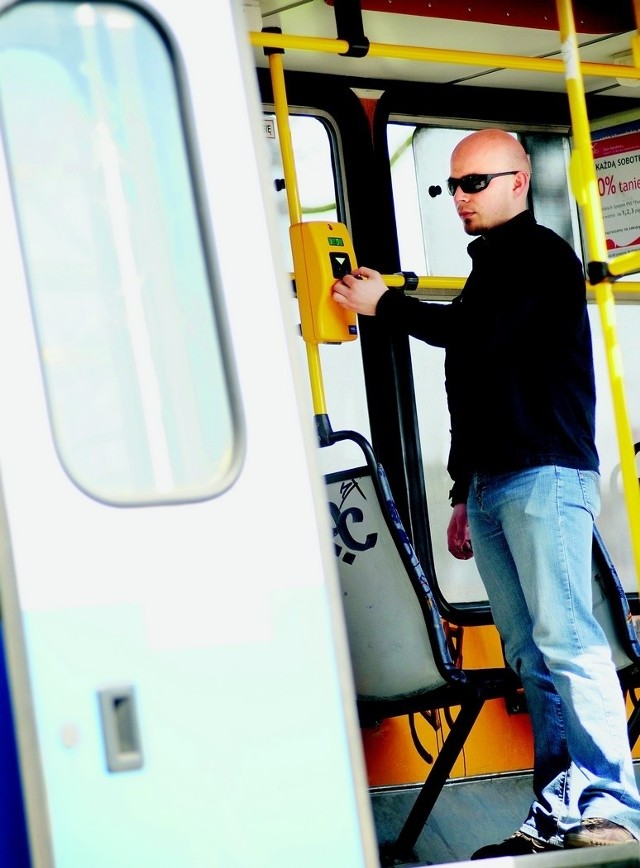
(521, 396)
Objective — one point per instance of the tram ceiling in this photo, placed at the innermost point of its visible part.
(497, 27)
(591, 16)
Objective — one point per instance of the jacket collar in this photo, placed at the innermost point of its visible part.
(504, 233)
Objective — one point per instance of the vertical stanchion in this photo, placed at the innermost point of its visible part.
(585, 188)
(284, 133)
(295, 214)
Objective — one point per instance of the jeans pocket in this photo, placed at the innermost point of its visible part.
(590, 485)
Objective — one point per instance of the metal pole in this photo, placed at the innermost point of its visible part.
(295, 212)
(585, 188)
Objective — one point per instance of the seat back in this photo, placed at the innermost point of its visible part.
(611, 607)
(397, 641)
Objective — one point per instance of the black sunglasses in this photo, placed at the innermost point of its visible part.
(473, 183)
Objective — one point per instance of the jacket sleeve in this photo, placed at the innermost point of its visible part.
(430, 322)
(460, 490)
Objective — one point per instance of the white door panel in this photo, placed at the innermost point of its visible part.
(218, 614)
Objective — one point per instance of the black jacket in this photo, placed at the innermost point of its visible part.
(518, 367)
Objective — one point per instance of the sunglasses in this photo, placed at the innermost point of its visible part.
(473, 183)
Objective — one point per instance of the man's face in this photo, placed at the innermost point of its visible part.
(490, 207)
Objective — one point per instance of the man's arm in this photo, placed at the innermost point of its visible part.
(365, 292)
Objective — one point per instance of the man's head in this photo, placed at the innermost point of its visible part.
(489, 152)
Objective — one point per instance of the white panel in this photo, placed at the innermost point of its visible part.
(220, 614)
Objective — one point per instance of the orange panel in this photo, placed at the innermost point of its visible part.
(499, 741)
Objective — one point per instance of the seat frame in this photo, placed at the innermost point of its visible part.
(621, 633)
(467, 689)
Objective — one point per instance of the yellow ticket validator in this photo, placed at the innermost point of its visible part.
(322, 254)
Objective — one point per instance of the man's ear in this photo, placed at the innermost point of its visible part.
(521, 184)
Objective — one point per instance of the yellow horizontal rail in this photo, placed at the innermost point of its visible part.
(623, 288)
(298, 43)
(426, 282)
(439, 55)
(629, 288)
(627, 263)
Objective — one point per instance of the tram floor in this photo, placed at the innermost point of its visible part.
(470, 813)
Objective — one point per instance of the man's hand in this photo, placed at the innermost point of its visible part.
(458, 539)
(360, 291)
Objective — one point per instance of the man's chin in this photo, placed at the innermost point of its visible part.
(470, 227)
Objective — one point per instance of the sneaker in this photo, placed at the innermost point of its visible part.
(596, 832)
(519, 844)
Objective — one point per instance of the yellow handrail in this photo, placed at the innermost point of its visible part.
(626, 263)
(426, 282)
(450, 283)
(284, 132)
(295, 212)
(443, 282)
(635, 39)
(585, 188)
(439, 55)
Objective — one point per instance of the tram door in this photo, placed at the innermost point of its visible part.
(178, 676)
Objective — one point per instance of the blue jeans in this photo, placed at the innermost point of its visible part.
(531, 533)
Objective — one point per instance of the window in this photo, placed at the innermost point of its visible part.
(314, 172)
(315, 153)
(430, 238)
(122, 288)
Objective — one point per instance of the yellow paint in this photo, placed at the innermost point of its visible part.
(319, 249)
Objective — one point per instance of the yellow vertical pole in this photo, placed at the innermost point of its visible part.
(276, 70)
(635, 39)
(585, 188)
(295, 214)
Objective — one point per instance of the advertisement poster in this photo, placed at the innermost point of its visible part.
(616, 152)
